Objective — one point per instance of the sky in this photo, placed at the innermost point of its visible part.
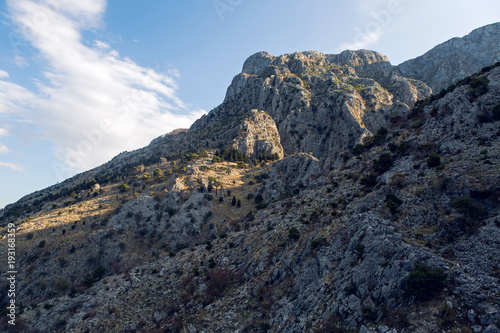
(82, 81)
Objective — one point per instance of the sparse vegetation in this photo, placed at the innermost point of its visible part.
(293, 233)
(393, 202)
(425, 282)
(383, 163)
(124, 187)
(433, 160)
(468, 208)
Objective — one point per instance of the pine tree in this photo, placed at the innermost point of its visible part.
(239, 203)
(234, 201)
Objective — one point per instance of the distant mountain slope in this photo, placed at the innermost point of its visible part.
(456, 58)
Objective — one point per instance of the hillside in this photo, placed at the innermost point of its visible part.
(456, 58)
(327, 193)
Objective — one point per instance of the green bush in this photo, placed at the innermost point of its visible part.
(259, 198)
(358, 149)
(99, 272)
(293, 233)
(369, 180)
(433, 160)
(124, 187)
(469, 208)
(383, 163)
(478, 86)
(496, 112)
(393, 202)
(425, 282)
(380, 137)
(318, 242)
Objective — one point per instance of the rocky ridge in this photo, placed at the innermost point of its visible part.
(455, 59)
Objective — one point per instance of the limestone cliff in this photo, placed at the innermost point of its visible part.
(456, 58)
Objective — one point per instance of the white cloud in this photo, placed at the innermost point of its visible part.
(14, 98)
(3, 132)
(11, 166)
(4, 74)
(377, 16)
(4, 149)
(89, 85)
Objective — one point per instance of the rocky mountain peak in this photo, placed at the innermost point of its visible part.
(456, 58)
(358, 58)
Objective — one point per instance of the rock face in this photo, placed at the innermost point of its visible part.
(258, 136)
(399, 234)
(321, 103)
(456, 58)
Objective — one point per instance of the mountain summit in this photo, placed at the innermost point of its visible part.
(327, 193)
(455, 59)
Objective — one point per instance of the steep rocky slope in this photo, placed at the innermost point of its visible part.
(455, 59)
(326, 193)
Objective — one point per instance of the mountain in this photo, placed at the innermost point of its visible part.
(455, 59)
(327, 193)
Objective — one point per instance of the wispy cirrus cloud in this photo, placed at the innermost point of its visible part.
(12, 166)
(378, 15)
(3, 132)
(4, 149)
(88, 83)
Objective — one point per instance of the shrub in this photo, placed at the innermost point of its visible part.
(469, 208)
(496, 112)
(398, 180)
(360, 248)
(259, 198)
(88, 281)
(369, 180)
(425, 282)
(433, 160)
(42, 243)
(393, 202)
(383, 163)
(358, 149)
(158, 173)
(379, 138)
(99, 272)
(124, 187)
(402, 148)
(62, 285)
(478, 86)
(293, 233)
(318, 242)
(212, 263)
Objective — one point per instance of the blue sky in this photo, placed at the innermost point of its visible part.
(81, 81)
